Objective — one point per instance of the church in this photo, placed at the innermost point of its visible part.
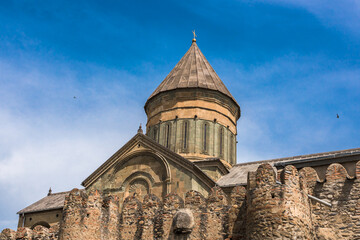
(188, 144)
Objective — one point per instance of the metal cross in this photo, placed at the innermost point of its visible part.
(194, 34)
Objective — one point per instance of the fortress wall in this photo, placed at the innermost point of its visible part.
(274, 206)
(277, 209)
(342, 219)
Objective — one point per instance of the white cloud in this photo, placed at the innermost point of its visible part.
(343, 14)
(289, 106)
(48, 138)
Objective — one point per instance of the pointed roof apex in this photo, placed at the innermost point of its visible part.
(192, 71)
(194, 39)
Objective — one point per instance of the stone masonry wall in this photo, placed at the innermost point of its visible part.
(271, 207)
(277, 209)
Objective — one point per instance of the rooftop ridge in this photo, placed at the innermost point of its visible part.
(61, 192)
(306, 156)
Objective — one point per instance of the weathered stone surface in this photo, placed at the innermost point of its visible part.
(131, 219)
(278, 210)
(311, 177)
(267, 209)
(237, 213)
(172, 203)
(336, 173)
(41, 233)
(217, 214)
(89, 216)
(197, 204)
(183, 221)
(7, 234)
(151, 211)
(24, 233)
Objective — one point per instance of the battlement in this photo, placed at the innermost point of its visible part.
(277, 208)
(274, 205)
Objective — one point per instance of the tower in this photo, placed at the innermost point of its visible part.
(193, 113)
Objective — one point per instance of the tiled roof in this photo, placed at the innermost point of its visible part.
(50, 202)
(238, 174)
(193, 71)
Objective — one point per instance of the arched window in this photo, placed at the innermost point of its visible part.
(221, 141)
(231, 154)
(185, 134)
(167, 135)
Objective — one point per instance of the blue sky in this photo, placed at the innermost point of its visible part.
(291, 65)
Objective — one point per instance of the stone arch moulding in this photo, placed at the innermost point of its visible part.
(136, 182)
(150, 153)
(138, 175)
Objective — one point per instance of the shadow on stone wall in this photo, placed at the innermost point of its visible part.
(273, 206)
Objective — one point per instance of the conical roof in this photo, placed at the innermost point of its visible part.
(193, 71)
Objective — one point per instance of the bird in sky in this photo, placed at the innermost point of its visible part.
(74, 97)
(337, 116)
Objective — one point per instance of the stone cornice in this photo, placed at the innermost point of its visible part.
(200, 94)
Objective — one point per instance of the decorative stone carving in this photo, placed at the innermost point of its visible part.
(140, 187)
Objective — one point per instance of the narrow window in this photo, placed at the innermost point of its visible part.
(205, 135)
(168, 135)
(155, 134)
(231, 147)
(221, 140)
(185, 134)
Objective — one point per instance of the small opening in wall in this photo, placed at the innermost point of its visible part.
(87, 215)
(30, 219)
(273, 195)
(57, 215)
(138, 145)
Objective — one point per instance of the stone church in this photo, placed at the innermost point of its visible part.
(189, 145)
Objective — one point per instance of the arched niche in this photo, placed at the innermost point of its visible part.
(139, 183)
(142, 172)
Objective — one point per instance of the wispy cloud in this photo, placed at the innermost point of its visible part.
(289, 106)
(49, 138)
(343, 14)
(291, 65)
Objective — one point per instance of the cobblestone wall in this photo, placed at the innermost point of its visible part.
(273, 206)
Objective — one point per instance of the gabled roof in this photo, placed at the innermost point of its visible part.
(157, 148)
(238, 174)
(192, 71)
(51, 202)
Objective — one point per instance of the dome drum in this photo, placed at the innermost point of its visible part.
(196, 139)
(193, 113)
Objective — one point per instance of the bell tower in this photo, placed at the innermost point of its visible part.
(193, 113)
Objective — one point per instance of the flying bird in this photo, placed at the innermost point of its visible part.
(337, 116)
(74, 97)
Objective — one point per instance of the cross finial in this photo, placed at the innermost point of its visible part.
(50, 191)
(140, 129)
(194, 39)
